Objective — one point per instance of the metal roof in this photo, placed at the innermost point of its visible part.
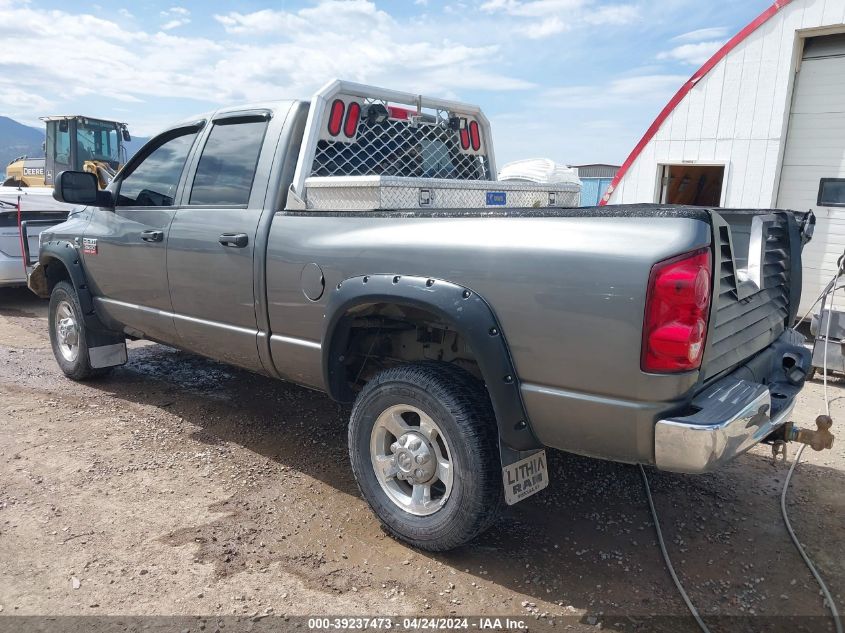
(596, 170)
(68, 117)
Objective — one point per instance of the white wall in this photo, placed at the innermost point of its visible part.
(736, 114)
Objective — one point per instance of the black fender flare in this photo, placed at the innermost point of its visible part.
(465, 310)
(67, 254)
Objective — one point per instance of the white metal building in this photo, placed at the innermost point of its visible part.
(761, 124)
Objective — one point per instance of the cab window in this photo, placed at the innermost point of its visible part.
(97, 140)
(227, 166)
(153, 181)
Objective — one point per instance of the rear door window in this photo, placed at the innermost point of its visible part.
(227, 166)
(153, 181)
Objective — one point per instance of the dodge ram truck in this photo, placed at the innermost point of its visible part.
(360, 244)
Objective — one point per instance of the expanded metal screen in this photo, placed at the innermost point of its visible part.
(415, 147)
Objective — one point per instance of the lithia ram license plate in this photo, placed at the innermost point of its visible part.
(525, 477)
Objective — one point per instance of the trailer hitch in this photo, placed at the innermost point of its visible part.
(818, 440)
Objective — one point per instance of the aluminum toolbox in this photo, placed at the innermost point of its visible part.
(363, 193)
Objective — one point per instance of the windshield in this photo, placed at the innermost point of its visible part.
(98, 140)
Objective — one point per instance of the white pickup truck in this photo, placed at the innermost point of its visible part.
(24, 213)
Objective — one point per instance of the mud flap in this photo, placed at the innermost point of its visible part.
(105, 348)
(107, 355)
(524, 473)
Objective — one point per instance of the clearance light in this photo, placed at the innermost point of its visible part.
(399, 113)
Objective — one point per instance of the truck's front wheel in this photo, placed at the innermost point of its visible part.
(424, 450)
(68, 336)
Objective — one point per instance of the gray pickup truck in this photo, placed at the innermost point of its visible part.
(360, 244)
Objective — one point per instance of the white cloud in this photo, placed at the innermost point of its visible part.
(545, 28)
(695, 54)
(332, 15)
(264, 55)
(178, 16)
(487, 56)
(539, 19)
(637, 89)
(173, 24)
(533, 8)
(355, 39)
(646, 85)
(176, 11)
(610, 15)
(16, 99)
(583, 123)
(717, 32)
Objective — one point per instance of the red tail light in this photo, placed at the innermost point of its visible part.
(464, 134)
(676, 313)
(336, 117)
(474, 136)
(353, 113)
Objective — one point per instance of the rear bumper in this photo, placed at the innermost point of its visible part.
(741, 417)
(735, 413)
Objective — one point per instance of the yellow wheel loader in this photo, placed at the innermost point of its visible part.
(73, 143)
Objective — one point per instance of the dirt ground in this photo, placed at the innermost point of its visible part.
(180, 486)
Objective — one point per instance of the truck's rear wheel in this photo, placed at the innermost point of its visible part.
(424, 450)
(68, 335)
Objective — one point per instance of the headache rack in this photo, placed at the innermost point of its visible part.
(363, 149)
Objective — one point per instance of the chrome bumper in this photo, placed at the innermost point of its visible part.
(732, 416)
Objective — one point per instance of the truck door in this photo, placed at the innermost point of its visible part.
(211, 247)
(124, 252)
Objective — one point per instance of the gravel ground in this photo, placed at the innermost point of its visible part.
(180, 486)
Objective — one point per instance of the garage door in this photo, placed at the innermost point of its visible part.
(814, 159)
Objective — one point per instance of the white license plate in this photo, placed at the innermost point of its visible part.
(526, 477)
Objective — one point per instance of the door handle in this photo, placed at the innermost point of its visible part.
(234, 240)
(152, 236)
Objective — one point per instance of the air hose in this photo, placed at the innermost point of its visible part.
(837, 621)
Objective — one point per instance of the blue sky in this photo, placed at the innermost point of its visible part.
(577, 81)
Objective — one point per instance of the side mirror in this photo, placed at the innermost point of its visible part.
(76, 187)
(126, 136)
